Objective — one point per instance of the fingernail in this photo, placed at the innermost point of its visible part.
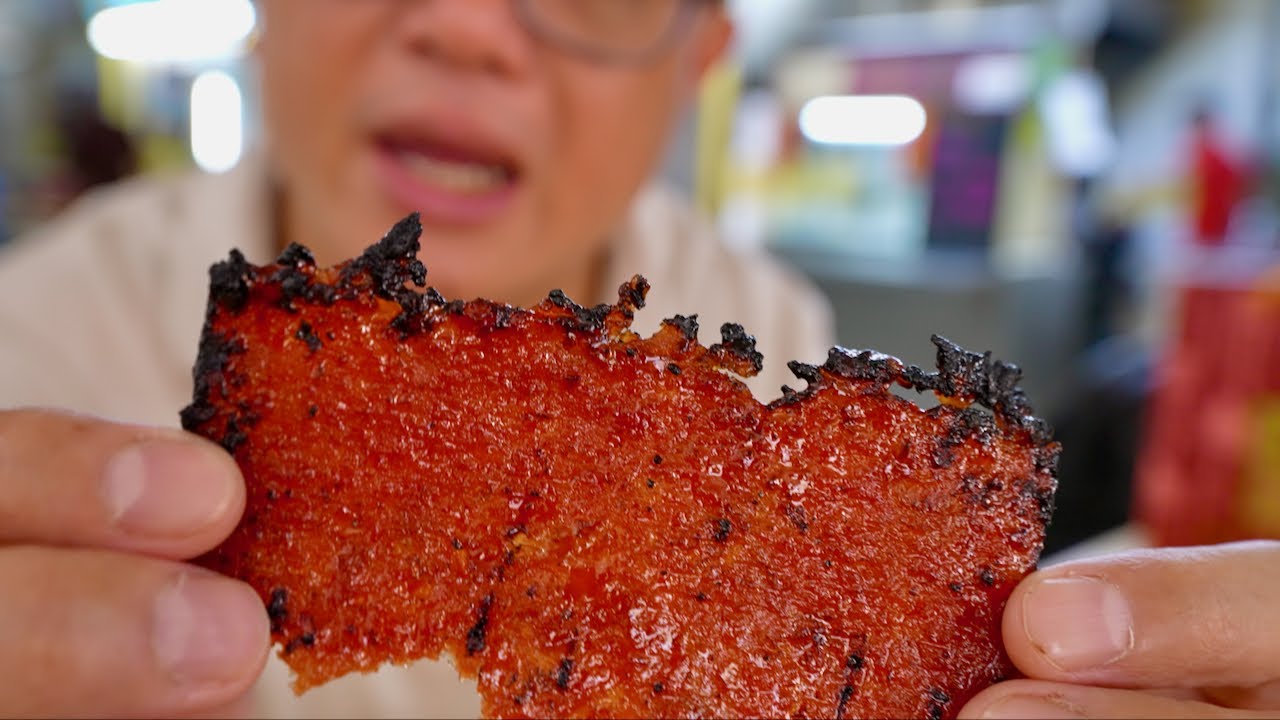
(208, 630)
(1032, 707)
(1078, 622)
(167, 488)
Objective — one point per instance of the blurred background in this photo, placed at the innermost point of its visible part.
(1090, 188)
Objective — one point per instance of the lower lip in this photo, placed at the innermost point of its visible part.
(439, 204)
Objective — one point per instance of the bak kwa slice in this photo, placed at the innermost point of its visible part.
(596, 523)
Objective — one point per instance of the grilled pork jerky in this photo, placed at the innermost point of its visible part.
(598, 523)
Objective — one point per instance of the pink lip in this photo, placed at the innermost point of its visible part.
(439, 205)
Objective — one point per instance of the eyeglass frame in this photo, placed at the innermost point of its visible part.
(676, 28)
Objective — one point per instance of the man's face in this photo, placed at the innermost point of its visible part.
(521, 157)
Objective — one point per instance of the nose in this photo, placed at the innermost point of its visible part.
(478, 35)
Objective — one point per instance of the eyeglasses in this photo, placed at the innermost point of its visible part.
(616, 32)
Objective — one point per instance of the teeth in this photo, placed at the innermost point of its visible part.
(457, 176)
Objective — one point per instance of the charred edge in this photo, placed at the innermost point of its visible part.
(476, 635)
(592, 319)
(1046, 459)
(277, 609)
(390, 265)
(295, 280)
(1045, 503)
(233, 436)
(688, 326)
(209, 375)
(323, 294)
(735, 341)
(961, 374)
(865, 365)
(589, 320)
(502, 315)
(789, 396)
(560, 300)
(293, 284)
(631, 295)
(1043, 495)
(248, 418)
(563, 672)
(308, 336)
(296, 256)
(842, 703)
(991, 383)
(229, 283)
(392, 262)
(414, 310)
(386, 268)
(805, 372)
(721, 529)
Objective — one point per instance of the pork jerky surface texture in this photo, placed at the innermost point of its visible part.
(596, 523)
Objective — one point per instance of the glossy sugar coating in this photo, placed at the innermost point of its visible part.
(599, 524)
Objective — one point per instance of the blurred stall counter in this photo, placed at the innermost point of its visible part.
(1030, 318)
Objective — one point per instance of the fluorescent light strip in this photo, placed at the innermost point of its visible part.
(217, 126)
(863, 120)
(172, 31)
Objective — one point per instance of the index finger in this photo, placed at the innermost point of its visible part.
(73, 480)
(1189, 617)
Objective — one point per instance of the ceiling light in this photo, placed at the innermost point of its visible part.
(863, 120)
(217, 126)
(173, 31)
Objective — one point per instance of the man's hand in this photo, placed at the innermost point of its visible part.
(1186, 633)
(97, 616)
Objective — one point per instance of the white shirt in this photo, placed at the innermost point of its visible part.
(101, 310)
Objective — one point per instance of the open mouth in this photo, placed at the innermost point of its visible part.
(448, 184)
(457, 176)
